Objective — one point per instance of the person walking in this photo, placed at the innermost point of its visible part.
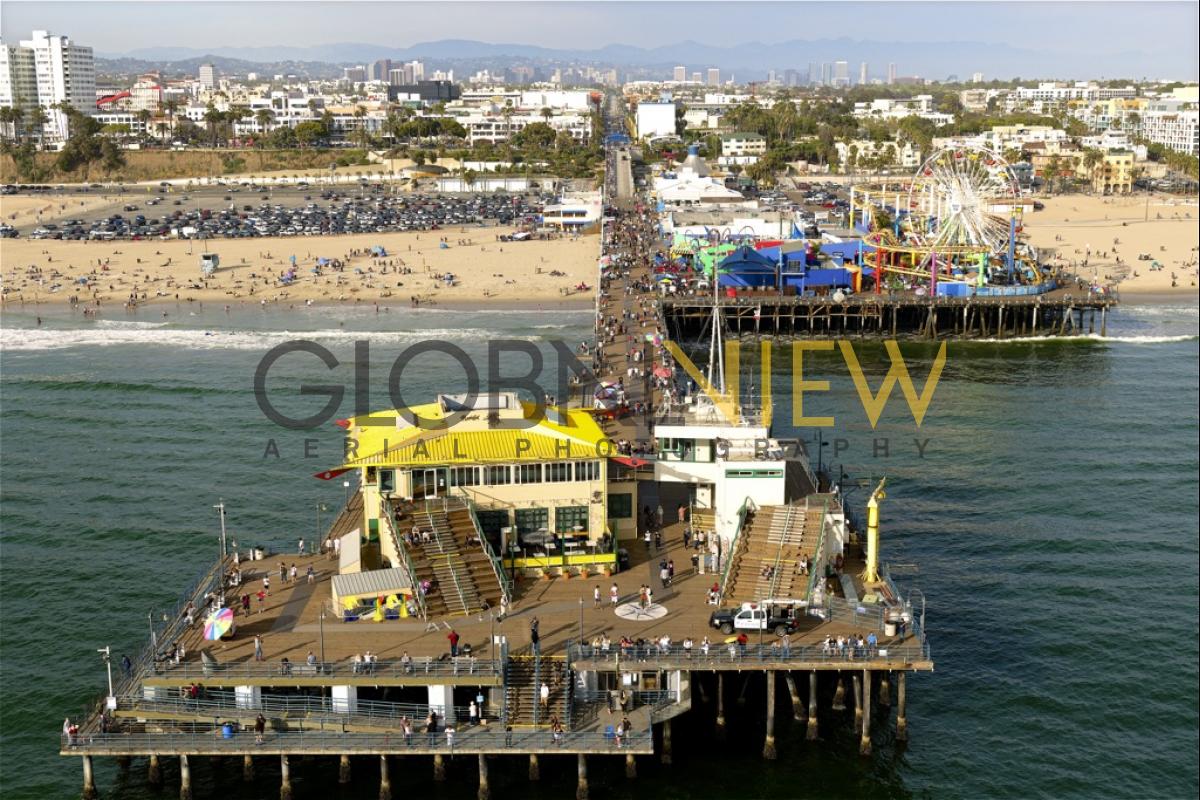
(596, 596)
(534, 637)
(258, 648)
(453, 637)
(260, 727)
(614, 595)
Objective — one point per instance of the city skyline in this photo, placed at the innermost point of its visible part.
(1069, 39)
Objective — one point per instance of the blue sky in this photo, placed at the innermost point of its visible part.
(1166, 30)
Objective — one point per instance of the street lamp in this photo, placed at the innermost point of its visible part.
(106, 654)
(346, 486)
(322, 629)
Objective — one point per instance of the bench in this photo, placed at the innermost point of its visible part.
(848, 590)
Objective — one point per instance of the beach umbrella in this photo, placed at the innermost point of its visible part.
(218, 624)
(662, 372)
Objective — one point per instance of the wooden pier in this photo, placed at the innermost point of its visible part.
(770, 314)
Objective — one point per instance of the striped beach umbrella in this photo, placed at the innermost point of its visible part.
(218, 623)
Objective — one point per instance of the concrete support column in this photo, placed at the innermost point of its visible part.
(858, 700)
(839, 695)
(721, 706)
(901, 718)
(89, 779)
(630, 766)
(385, 783)
(185, 779)
(864, 745)
(794, 694)
(344, 699)
(769, 743)
(885, 689)
(666, 742)
(247, 768)
(344, 769)
(581, 790)
(812, 705)
(439, 767)
(154, 772)
(123, 762)
(485, 790)
(535, 772)
(285, 778)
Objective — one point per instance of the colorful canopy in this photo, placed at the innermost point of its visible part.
(219, 623)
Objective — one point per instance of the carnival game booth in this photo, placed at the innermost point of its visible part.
(376, 594)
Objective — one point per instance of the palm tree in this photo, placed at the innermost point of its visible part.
(9, 117)
(143, 116)
(547, 114)
(172, 108)
(212, 118)
(37, 118)
(264, 117)
(364, 136)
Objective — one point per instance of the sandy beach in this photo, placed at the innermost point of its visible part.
(485, 270)
(1099, 230)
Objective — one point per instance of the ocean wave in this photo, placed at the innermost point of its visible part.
(1091, 337)
(32, 339)
(129, 324)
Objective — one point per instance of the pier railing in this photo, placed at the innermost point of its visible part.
(392, 670)
(465, 739)
(721, 655)
(497, 567)
(299, 710)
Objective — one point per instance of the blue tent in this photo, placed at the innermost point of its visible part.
(746, 267)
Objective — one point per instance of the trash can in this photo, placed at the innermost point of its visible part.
(889, 628)
(259, 554)
(227, 730)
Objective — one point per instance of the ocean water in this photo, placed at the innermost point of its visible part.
(1046, 507)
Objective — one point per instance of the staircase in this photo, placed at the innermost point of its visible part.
(454, 559)
(523, 678)
(766, 561)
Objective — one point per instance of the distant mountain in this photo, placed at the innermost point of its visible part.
(746, 60)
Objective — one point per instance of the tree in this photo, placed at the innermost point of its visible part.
(536, 135)
(212, 118)
(547, 114)
(469, 176)
(264, 117)
(309, 132)
(364, 135)
(1052, 171)
(9, 117)
(172, 108)
(36, 115)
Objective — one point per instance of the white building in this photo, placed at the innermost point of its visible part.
(573, 210)
(18, 77)
(558, 100)
(740, 143)
(491, 127)
(885, 108)
(61, 72)
(903, 154)
(1114, 140)
(1173, 124)
(680, 74)
(208, 76)
(1081, 90)
(691, 185)
(655, 120)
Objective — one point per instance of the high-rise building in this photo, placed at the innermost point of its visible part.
(714, 76)
(208, 76)
(697, 77)
(680, 74)
(891, 74)
(18, 77)
(791, 77)
(48, 70)
(977, 77)
(862, 74)
(416, 69)
(378, 71)
(826, 73)
(841, 73)
(354, 74)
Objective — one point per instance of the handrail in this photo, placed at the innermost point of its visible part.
(497, 567)
(408, 567)
(424, 666)
(225, 704)
(787, 527)
(909, 650)
(737, 542)
(817, 567)
(447, 556)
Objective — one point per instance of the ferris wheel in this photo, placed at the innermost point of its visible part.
(962, 197)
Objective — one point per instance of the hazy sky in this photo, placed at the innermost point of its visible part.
(114, 27)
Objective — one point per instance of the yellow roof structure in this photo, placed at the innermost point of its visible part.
(496, 429)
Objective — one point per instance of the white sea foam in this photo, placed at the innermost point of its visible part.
(1094, 337)
(30, 339)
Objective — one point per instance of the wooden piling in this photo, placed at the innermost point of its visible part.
(485, 790)
(630, 766)
(89, 779)
(720, 734)
(901, 719)
(185, 779)
(885, 689)
(344, 769)
(439, 767)
(794, 693)
(769, 743)
(535, 773)
(812, 705)
(858, 699)
(864, 746)
(839, 694)
(248, 768)
(385, 782)
(285, 778)
(666, 742)
(581, 789)
(154, 771)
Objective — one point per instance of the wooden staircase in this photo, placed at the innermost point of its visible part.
(766, 561)
(523, 679)
(454, 559)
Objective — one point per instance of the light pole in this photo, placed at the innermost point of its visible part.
(220, 507)
(346, 486)
(322, 629)
(581, 623)
(106, 653)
